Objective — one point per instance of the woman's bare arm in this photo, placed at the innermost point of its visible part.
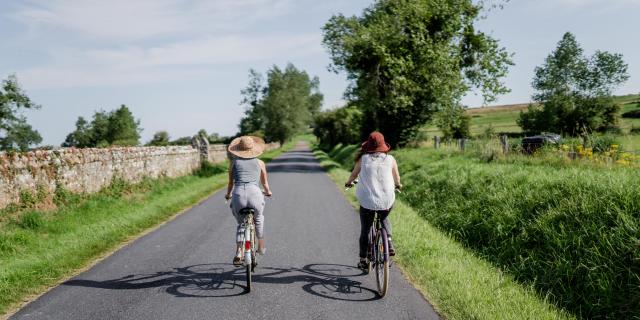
(230, 184)
(354, 174)
(396, 174)
(263, 178)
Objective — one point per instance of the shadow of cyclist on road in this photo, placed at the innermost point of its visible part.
(330, 281)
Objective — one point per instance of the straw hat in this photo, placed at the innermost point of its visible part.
(375, 143)
(246, 147)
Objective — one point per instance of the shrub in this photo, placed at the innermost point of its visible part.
(601, 143)
(27, 199)
(339, 126)
(635, 130)
(31, 220)
(208, 169)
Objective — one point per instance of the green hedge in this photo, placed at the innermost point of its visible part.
(573, 232)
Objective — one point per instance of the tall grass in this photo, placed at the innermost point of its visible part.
(572, 232)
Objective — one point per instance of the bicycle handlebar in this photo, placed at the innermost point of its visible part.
(347, 187)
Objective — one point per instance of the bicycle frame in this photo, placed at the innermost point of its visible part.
(377, 228)
(248, 246)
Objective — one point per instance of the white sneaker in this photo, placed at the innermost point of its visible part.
(262, 251)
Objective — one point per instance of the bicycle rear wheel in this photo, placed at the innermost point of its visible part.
(248, 278)
(254, 248)
(381, 259)
(249, 245)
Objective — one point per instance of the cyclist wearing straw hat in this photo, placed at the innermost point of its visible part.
(246, 173)
(379, 177)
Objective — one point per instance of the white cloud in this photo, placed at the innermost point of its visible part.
(125, 21)
(174, 61)
(95, 42)
(596, 5)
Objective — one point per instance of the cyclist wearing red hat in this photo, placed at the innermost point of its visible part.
(379, 177)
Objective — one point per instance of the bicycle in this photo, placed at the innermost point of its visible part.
(250, 260)
(378, 252)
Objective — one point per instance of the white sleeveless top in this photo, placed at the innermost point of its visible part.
(376, 189)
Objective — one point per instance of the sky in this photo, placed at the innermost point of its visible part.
(179, 65)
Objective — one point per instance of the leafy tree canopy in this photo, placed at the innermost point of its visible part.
(160, 139)
(454, 122)
(15, 132)
(115, 128)
(574, 91)
(407, 59)
(282, 106)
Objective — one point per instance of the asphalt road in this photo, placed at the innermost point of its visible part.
(183, 270)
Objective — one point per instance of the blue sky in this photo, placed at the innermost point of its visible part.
(180, 64)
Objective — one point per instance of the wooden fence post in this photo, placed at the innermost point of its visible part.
(461, 143)
(504, 140)
(436, 142)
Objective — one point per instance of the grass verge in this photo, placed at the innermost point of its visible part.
(570, 231)
(459, 284)
(40, 248)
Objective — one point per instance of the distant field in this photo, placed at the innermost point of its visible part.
(503, 119)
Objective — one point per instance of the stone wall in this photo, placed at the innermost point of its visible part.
(89, 170)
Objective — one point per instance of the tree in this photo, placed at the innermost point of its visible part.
(283, 107)
(182, 141)
(253, 120)
(454, 122)
(117, 127)
(100, 130)
(215, 138)
(407, 59)
(160, 139)
(124, 129)
(81, 137)
(15, 132)
(574, 91)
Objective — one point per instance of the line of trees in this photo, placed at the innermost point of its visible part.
(280, 106)
(115, 128)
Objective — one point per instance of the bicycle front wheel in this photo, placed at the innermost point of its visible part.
(381, 259)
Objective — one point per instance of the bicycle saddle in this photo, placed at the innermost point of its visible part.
(247, 211)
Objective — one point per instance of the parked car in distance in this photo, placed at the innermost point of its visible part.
(531, 144)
